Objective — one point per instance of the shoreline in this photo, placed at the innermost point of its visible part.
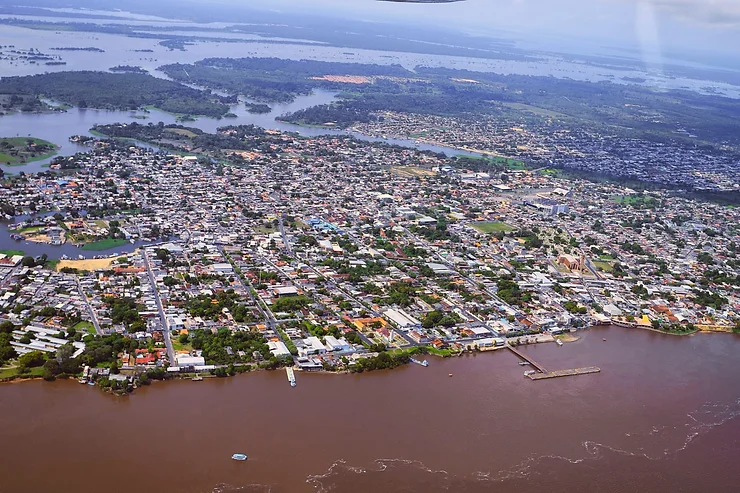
(570, 339)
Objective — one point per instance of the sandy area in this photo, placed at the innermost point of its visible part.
(87, 264)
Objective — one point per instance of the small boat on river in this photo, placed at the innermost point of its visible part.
(239, 457)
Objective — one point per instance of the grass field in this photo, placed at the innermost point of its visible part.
(12, 253)
(178, 346)
(85, 326)
(603, 266)
(13, 372)
(412, 171)
(107, 244)
(637, 201)
(493, 227)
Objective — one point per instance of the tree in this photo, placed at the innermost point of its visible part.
(51, 369)
(31, 360)
(65, 352)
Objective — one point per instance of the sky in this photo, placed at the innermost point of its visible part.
(665, 24)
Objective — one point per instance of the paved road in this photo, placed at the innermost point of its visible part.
(90, 310)
(162, 316)
(288, 248)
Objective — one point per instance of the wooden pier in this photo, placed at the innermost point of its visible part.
(541, 373)
(564, 373)
(526, 358)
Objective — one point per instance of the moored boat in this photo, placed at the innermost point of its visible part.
(239, 457)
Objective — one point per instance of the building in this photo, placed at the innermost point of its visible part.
(337, 345)
(187, 360)
(311, 345)
(278, 348)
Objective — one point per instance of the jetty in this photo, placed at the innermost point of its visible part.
(291, 375)
(564, 373)
(526, 358)
(541, 373)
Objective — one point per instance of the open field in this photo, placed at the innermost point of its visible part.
(13, 372)
(603, 266)
(412, 171)
(493, 227)
(535, 110)
(87, 264)
(85, 326)
(101, 245)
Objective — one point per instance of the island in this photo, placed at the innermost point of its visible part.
(17, 151)
(115, 91)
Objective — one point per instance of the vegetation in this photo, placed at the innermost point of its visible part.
(126, 311)
(212, 307)
(382, 361)
(106, 244)
(22, 150)
(120, 91)
(493, 227)
(224, 347)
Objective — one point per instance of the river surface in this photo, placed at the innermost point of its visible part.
(661, 417)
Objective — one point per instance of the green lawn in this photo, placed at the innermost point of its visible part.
(603, 266)
(636, 201)
(12, 253)
(13, 372)
(493, 227)
(178, 346)
(85, 326)
(106, 244)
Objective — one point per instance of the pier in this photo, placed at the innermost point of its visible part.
(564, 373)
(541, 373)
(526, 358)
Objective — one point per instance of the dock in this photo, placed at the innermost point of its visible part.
(564, 373)
(526, 358)
(541, 373)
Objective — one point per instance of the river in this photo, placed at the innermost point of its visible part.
(58, 127)
(661, 417)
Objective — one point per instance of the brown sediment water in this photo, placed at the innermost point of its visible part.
(662, 416)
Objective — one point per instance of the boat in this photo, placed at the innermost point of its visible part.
(450, 374)
(529, 372)
(604, 339)
(240, 457)
(197, 378)
(524, 363)
(291, 375)
(559, 342)
(424, 363)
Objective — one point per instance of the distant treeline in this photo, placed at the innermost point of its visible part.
(124, 91)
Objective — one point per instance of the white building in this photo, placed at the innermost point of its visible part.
(312, 345)
(187, 360)
(278, 348)
(334, 344)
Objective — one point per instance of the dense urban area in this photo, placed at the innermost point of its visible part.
(265, 249)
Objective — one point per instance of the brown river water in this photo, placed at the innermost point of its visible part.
(662, 416)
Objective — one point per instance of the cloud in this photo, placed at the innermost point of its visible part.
(711, 12)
